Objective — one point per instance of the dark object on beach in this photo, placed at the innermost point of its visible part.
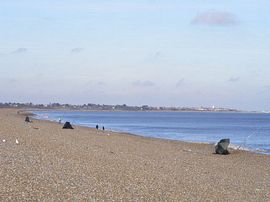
(97, 127)
(222, 147)
(27, 119)
(103, 128)
(67, 125)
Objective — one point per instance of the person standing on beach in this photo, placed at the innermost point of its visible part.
(103, 128)
(27, 119)
(97, 127)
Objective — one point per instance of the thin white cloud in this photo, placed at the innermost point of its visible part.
(234, 79)
(76, 50)
(154, 57)
(8, 81)
(219, 18)
(146, 83)
(19, 50)
(101, 83)
(157, 53)
(180, 82)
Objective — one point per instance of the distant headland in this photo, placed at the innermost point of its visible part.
(105, 107)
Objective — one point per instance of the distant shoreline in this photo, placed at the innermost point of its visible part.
(84, 110)
(123, 107)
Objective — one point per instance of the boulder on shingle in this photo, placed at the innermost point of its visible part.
(222, 147)
(67, 125)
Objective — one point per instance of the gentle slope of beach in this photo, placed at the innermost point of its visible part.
(50, 163)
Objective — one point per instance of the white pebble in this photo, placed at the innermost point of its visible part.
(4, 140)
(17, 142)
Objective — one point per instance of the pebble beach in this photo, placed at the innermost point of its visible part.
(40, 161)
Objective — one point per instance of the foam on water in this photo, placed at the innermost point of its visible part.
(238, 147)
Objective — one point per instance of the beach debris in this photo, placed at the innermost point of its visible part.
(257, 189)
(187, 150)
(108, 134)
(67, 125)
(4, 140)
(222, 147)
(27, 119)
(17, 141)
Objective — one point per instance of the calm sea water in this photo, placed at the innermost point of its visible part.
(247, 130)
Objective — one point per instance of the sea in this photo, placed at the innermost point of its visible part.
(247, 131)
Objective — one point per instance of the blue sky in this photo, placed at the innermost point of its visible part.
(155, 52)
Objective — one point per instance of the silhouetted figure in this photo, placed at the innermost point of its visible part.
(27, 119)
(97, 127)
(103, 128)
(67, 125)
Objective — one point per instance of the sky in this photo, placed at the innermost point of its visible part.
(154, 52)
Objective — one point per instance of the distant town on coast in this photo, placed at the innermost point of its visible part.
(123, 107)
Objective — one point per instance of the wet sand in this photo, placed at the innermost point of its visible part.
(53, 164)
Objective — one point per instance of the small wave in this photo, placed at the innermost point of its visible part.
(238, 147)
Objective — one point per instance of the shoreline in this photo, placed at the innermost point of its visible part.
(123, 133)
(32, 116)
(50, 163)
(231, 146)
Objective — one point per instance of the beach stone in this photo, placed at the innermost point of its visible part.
(222, 147)
(67, 125)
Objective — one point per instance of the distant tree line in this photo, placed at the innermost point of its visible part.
(103, 107)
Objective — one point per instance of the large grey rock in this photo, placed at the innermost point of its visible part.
(67, 125)
(222, 147)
